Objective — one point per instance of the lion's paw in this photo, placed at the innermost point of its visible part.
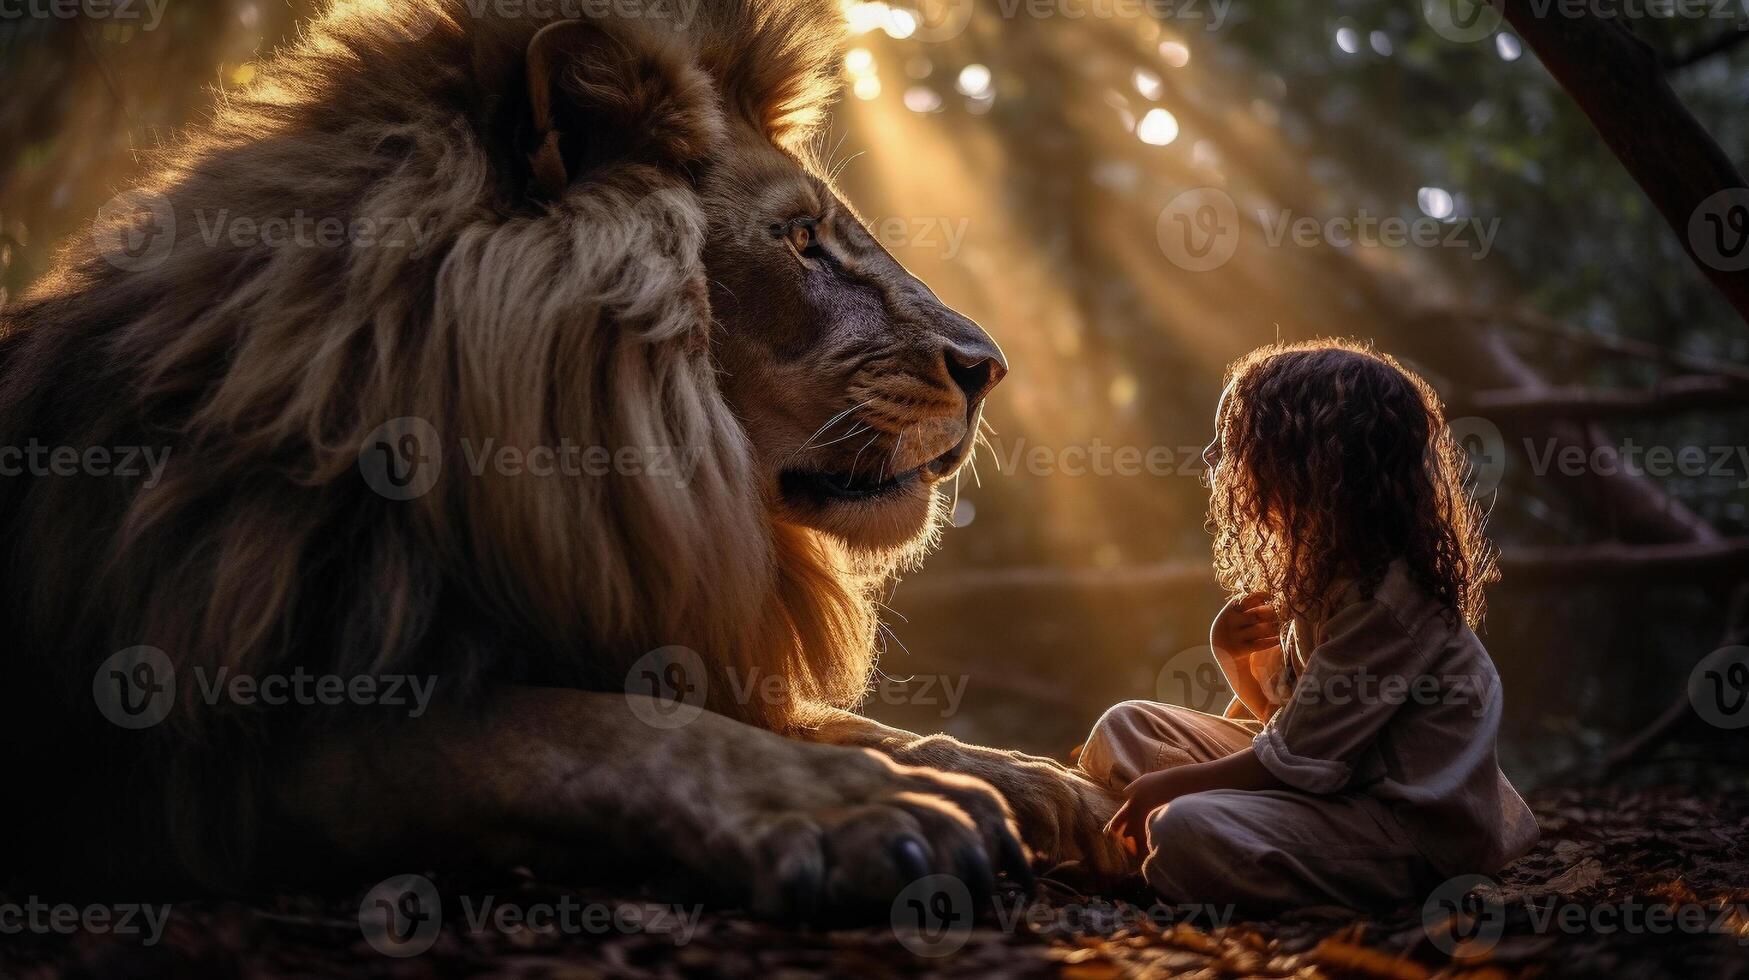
(1061, 814)
(877, 828)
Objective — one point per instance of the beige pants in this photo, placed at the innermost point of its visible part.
(1261, 849)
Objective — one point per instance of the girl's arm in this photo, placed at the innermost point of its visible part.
(1241, 770)
(1245, 626)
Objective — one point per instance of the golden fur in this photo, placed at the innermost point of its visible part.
(269, 372)
(553, 290)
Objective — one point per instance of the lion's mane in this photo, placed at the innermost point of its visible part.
(264, 370)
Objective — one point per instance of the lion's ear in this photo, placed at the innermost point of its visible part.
(600, 94)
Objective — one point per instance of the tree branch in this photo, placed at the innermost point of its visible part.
(1631, 505)
(1685, 393)
(1717, 45)
(1616, 80)
(1532, 321)
(1666, 564)
(1681, 710)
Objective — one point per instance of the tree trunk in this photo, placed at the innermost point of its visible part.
(1617, 81)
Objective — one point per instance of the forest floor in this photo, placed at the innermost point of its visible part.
(1625, 883)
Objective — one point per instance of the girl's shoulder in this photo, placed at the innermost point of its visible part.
(1400, 619)
(1412, 606)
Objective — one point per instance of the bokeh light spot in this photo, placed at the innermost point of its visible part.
(1157, 128)
(974, 80)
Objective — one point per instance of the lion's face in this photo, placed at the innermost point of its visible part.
(860, 390)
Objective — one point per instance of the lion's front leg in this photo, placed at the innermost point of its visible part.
(592, 782)
(1062, 815)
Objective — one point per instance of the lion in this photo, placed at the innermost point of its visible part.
(429, 234)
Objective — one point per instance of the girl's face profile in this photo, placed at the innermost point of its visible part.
(1212, 453)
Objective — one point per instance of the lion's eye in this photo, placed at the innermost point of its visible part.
(802, 234)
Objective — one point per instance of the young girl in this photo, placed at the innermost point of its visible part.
(1356, 766)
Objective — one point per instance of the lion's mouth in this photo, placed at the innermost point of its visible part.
(823, 486)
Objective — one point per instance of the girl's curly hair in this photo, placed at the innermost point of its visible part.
(1334, 461)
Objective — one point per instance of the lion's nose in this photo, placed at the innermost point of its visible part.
(973, 374)
(975, 364)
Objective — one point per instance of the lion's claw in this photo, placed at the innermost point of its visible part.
(910, 857)
(883, 827)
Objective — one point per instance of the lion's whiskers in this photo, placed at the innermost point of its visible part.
(888, 631)
(829, 423)
(855, 430)
(838, 169)
(892, 456)
(851, 476)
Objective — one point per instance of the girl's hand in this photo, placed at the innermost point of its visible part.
(1246, 625)
(1142, 797)
(1246, 636)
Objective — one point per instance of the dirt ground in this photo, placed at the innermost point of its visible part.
(1625, 883)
